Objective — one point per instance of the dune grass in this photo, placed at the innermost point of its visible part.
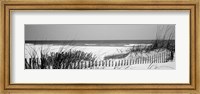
(63, 59)
(165, 41)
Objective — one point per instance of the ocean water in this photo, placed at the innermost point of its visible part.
(116, 43)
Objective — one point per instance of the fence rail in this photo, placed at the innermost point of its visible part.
(155, 58)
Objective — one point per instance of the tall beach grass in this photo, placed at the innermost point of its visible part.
(165, 41)
(62, 59)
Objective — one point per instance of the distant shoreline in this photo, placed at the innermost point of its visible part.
(91, 42)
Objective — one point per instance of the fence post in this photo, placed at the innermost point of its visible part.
(153, 59)
(77, 65)
(139, 60)
(100, 63)
(156, 59)
(86, 64)
(37, 63)
(92, 64)
(95, 64)
(142, 60)
(30, 62)
(80, 65)
(112, 63)
(160, 57)
(89, 64)
(26, 62)
(106, 63)
(135, 61)
(74, 65)
(119, 63)
(109, 63)
(83, 64)
(164, 57)
(145, 61)
(122, 62)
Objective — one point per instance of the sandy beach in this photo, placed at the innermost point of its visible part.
(99, 52)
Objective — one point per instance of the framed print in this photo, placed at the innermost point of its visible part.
(114, 45)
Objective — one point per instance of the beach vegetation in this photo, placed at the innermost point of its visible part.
(165, 41)
(62, 59)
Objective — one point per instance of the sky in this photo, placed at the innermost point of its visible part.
(91, 31)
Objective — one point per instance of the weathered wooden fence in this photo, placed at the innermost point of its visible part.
(155, 58)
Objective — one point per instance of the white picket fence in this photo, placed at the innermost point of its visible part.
(155, 58)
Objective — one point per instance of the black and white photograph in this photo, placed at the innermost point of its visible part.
(100, 46)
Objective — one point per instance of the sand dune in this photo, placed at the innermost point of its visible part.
(100, 52)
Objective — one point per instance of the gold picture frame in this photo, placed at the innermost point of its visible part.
(7, 6)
